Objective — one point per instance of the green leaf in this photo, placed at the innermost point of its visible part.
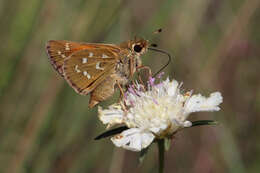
(111, 132)
(204, 122)
(167, 143)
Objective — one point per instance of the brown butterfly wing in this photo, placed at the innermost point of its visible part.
(84, 70)
(59, 50)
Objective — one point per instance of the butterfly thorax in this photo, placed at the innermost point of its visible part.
(130, 58)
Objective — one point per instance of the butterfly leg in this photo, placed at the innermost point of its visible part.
(145, 68)
(120, 88)
(122, 95)
(140, 78)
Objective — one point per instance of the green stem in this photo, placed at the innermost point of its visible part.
(161, 151)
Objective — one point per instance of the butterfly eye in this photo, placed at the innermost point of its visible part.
(138, 48)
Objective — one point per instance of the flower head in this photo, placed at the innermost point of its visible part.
(157, 111)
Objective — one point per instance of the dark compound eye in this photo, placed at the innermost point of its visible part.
(138, 48)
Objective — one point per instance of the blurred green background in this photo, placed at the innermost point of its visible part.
(46, 127)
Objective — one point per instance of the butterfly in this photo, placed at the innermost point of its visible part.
(96, 68)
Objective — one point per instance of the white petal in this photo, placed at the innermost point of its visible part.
(157, 128)
(187, 124)
(200, 103)
(111, 116)
(172, 88)
(133, 139)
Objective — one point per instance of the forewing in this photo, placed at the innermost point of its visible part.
(86, 69)
(59, 50)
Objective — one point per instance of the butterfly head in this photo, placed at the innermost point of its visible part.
(138, 46)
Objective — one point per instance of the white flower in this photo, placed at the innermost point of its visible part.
(156, 112)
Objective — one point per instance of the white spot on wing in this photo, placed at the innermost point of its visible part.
(104, 56)
(98, 66)
(59, 52)
(67, 46)
(85, 73)
(76, 69)
(84, 60)
(90, 54)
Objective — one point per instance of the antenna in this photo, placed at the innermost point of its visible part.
(164, 52)
(157, 31)
(152, 47)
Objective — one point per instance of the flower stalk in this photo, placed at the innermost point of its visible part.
(161, 150)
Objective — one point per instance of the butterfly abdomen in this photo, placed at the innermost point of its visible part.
(103, 91)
